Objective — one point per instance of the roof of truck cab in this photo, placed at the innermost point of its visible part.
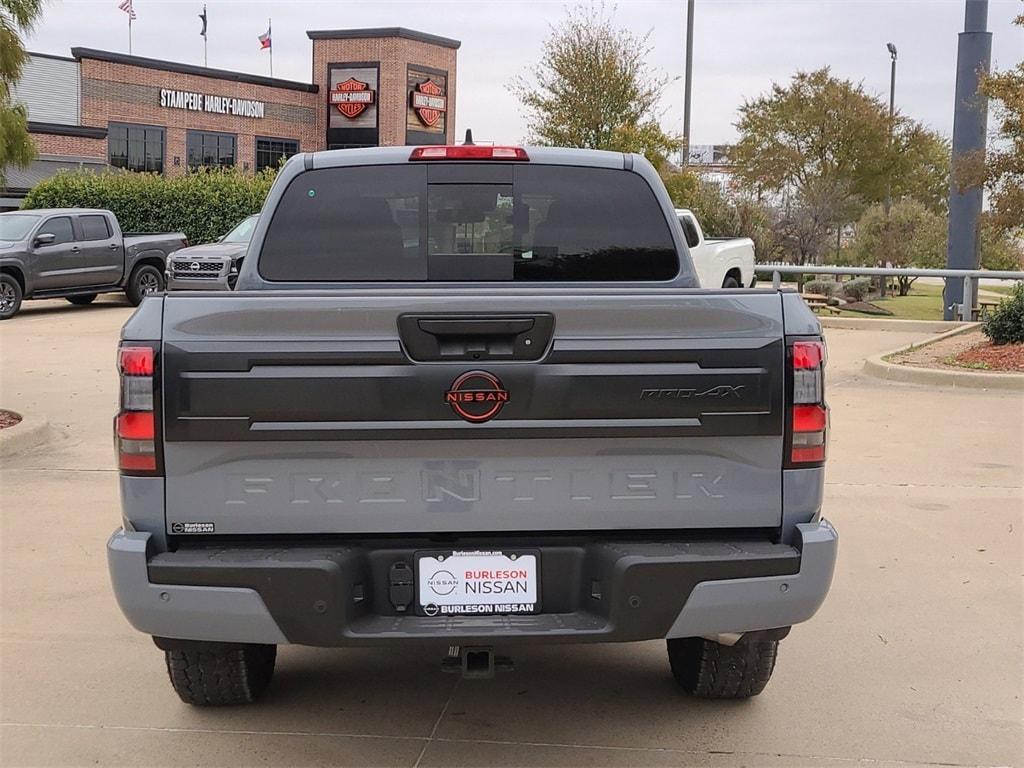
(594, 158)
(53, 211)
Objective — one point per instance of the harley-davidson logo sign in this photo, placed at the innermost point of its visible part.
(352, 97)
(477, 396)
(429, 102)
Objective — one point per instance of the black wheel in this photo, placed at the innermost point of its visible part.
(711, 670)
(731, 282)
(217, 675)
(10, 296)
(144, 280)
(82, 299)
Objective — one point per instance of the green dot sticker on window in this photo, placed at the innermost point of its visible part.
(312, 193)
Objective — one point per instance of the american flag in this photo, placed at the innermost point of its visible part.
(265, 40)
(126, 6)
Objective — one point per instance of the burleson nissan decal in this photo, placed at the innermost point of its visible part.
(478, 582)
(206, 102)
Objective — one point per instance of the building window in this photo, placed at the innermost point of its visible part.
(136, 147)
(270, 152)
(210, 150)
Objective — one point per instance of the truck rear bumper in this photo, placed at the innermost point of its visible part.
(601, 590)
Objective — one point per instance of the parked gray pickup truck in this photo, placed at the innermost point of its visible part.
(470, 397)
(77, 254)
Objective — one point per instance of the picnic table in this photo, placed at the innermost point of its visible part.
(818, 302)
(985, 306)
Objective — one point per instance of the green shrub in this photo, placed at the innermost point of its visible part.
(1005, 325)
(857, 289)
(824, 287)
(203, 205)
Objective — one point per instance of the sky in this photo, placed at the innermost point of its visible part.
(740, 46)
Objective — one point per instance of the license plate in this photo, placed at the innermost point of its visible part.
(477, 583)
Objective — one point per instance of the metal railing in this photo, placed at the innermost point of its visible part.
(962, 311)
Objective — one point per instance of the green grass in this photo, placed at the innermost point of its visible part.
(924, 302)
(979, 366)
(1005, 288)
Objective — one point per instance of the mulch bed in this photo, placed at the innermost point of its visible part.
(1002, 357)
(8, 419)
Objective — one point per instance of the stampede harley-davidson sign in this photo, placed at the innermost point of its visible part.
(352, 97)
(429, 102)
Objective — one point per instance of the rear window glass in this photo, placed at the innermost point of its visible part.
(496, 222)
(94, 227)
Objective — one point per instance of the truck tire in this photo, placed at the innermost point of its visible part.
(731, 282)
(215, 675)
(82, 299)
(711, 670)
(10, 296)
(144, 280)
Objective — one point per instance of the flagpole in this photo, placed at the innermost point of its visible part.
(270, 32)
(129, 34)
(205, 24)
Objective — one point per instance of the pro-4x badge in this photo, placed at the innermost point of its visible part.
(477, 396)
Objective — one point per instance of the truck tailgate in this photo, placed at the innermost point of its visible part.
(301, 413)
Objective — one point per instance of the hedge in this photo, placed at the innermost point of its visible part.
(203, 205)
(1005, 325)
(858, 288)
(822, 287)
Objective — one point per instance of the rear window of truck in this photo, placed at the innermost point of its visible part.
(421, 222)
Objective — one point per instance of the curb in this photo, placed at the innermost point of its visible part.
(28, 433)
(907, 326)
(877, 366)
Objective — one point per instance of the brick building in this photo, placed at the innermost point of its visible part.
(100, 109)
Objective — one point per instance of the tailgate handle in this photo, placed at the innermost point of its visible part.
(477, 327)
(429, 338)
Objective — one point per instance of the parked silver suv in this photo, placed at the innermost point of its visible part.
(212, 266)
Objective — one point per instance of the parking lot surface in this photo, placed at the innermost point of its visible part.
(915, 658)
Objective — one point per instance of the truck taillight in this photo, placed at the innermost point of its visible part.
(807, 431)
(135, 426)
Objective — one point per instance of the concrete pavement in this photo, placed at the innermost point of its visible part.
(915, 658)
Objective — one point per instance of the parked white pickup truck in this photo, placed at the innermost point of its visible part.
(719, 263)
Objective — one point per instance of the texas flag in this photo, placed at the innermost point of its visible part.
(265, 40)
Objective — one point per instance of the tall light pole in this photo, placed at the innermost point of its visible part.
(970, 123)
(689, 83)
(892, 112)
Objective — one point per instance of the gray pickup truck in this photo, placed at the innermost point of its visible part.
(77, 254)
(470, 397)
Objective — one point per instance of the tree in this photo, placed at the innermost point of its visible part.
(1000, 248)
(910, 236)
(824, 138)
(16, 17)
(807, 223)
(721, 216)
(1003, 172)
(592, 88)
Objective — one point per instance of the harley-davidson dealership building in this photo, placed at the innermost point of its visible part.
(97, 109)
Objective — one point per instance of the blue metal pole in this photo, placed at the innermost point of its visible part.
(970, 122)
